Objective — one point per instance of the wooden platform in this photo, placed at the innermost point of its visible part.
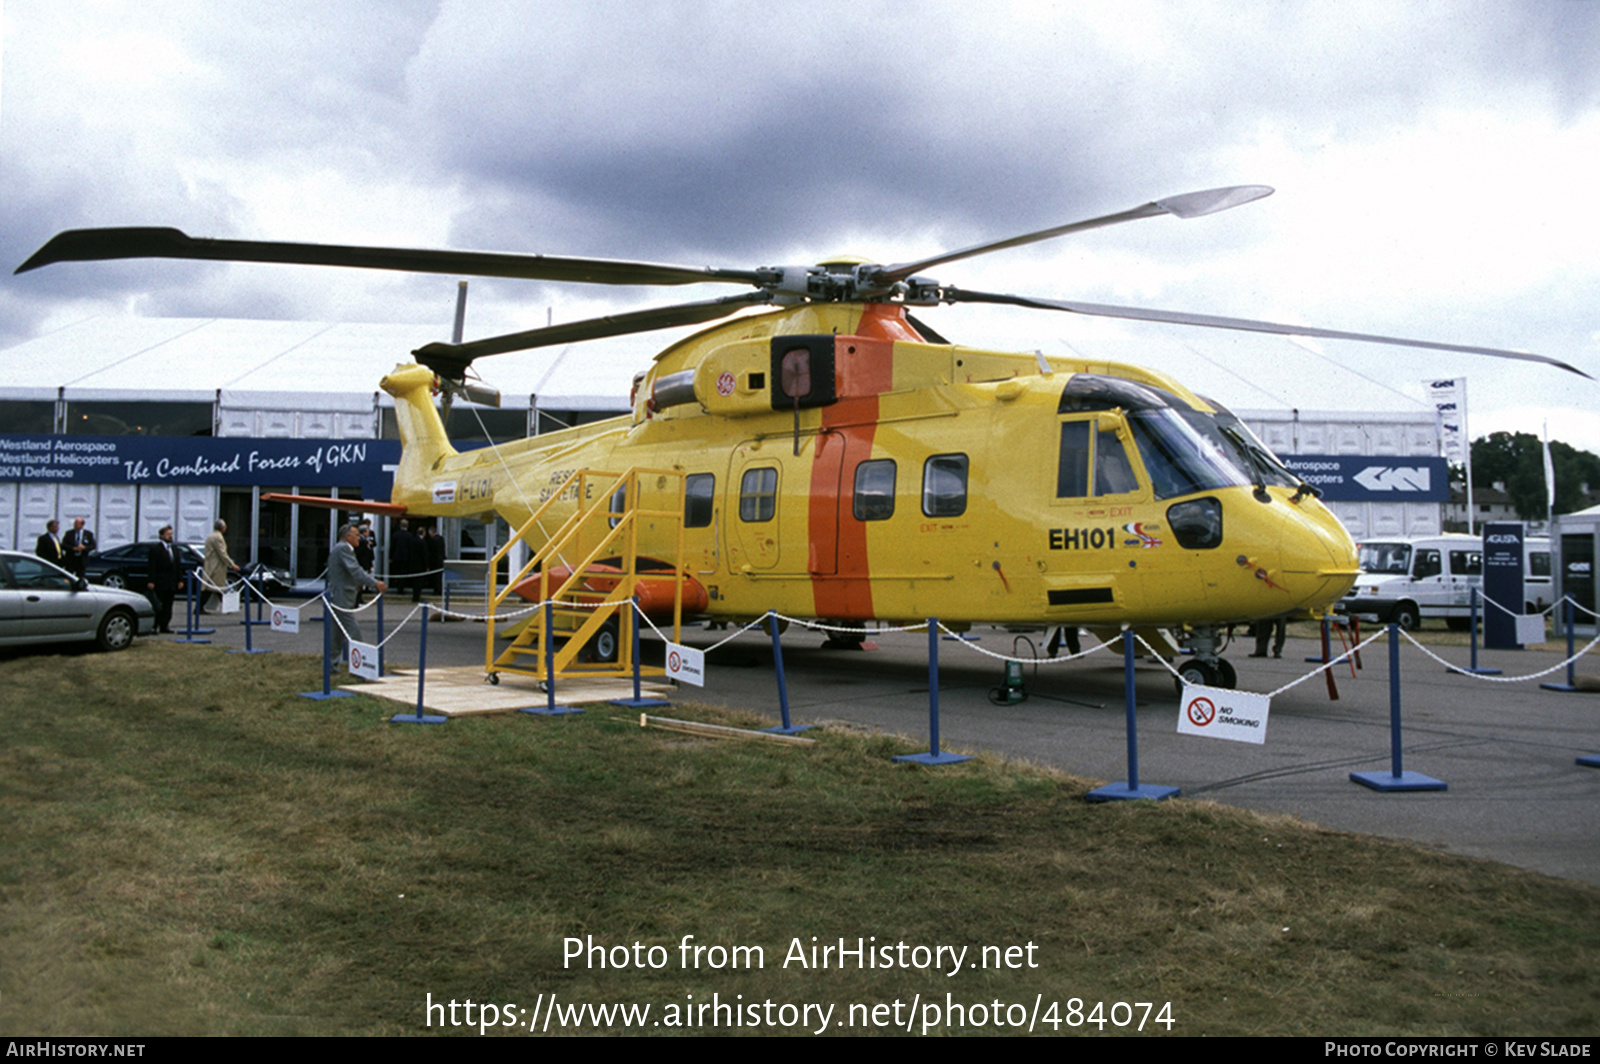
(462, 691)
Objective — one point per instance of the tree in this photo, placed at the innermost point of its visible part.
(1518, 460)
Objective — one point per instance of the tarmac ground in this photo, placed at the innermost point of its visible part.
(1505, 747)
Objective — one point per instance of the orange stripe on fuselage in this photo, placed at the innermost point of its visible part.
(841, 580)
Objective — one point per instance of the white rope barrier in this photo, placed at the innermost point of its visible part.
(1503, 679)
(1058, 660)
(814, 625)
(1325, 666)
(1515, 613)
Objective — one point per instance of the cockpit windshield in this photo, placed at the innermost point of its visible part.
(1185, 451)
(1247, 447)
(1386, 558)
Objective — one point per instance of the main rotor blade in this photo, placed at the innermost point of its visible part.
(88, 245)
(1210, 321)
(451, 360)
(1188, 205)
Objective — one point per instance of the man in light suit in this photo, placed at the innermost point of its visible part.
(217, 565)
(346, 579)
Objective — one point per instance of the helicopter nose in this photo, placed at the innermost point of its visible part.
(1318, 557)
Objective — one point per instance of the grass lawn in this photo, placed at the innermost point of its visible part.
(187, 847)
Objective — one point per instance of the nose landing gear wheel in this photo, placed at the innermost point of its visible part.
(1218, 673)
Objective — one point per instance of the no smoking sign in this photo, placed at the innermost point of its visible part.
(1217, 713)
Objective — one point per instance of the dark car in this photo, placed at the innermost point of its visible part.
(128, 566)
(42, 603)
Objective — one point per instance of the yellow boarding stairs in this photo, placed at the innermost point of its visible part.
(591, 604)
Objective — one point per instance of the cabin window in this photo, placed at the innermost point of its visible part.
(944, 485)
(1466, 563)
(1429, 563)
(758, 494)
(1539, 563)
(874, 494)
(699, 489)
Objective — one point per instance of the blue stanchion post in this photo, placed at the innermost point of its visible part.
(190, 632)
(788, 727)
(1473, 668)
(934, 756)
(328, 690)
(1571, 684)
(248, 624)
(1397, 778)
(550, 709)
(1116, 792)
(550, 654)
(419, 717)
(380, 631)
(638, 701)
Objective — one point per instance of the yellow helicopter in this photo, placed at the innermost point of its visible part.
(833, 457)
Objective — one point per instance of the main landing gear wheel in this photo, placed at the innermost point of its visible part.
(1227, 676)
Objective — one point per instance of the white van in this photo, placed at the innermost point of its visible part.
(1408, 580)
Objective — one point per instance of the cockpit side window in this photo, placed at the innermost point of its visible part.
(1113, 473)
(1072, 472)
(1185, 450)
(1082, 472)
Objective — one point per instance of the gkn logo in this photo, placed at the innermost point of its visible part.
(1395, 478)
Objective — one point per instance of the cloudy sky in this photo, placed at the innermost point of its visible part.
(1435, 165)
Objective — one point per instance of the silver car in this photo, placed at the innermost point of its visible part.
(42, 603)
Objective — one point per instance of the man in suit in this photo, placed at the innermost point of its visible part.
(165, 570)
(436, 559)
(76, 546)
(402, 556)
(48, 546)
(346, 579)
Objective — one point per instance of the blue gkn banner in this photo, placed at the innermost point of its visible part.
(1373, 478)
(233, 461)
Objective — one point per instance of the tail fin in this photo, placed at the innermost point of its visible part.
(422, 435)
